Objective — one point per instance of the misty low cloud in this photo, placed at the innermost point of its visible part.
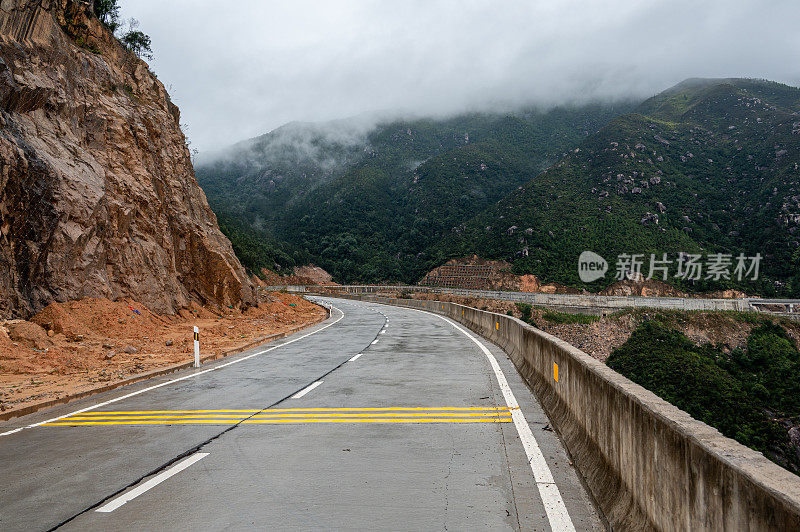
(241, 69)
(322, 143)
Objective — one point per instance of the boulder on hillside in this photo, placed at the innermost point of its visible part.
(649, 219)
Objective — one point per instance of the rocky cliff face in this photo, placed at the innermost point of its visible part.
(97, 193)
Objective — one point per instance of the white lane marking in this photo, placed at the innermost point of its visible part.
(355, 357)
(375, 341)
(383, 331)
(551, 496)
(307, 389)
(548, 490)
(153, 482)
(173, 381)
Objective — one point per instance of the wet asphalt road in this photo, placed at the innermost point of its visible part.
(440, 451)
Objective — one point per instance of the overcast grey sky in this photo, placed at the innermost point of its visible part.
(240, 69)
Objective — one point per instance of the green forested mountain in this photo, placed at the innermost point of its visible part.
(368, 206)
(252, 184)
(708, 166)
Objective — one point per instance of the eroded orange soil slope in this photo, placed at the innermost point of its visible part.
(75, 346)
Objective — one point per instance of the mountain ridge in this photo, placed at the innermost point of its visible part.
(394, 167)
(707, 175)
(681, 172)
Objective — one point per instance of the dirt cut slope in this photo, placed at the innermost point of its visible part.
(79, 345)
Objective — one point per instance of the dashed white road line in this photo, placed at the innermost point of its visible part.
(173, 381)
(307, 389)
(375, 341)
(153, 482)
(356, 357)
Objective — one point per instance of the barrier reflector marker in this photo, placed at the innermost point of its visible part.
(555, 371)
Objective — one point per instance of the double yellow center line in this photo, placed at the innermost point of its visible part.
(292, 415)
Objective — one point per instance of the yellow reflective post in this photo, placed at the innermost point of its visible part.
(555, 371)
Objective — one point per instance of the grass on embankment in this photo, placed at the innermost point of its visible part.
(554, 316)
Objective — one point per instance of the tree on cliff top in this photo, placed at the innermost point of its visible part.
(107, 11)
(136, 41)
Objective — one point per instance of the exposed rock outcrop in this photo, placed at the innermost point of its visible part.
(474, 272)
(97, 193)
(301, 275)
(642, 287)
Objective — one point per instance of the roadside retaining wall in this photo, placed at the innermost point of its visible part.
(648, 464)
(565, 300)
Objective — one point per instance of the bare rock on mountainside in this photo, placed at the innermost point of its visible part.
(314, 273)
(97, 193)
(301, 275)
(474, 272)
(642, 288)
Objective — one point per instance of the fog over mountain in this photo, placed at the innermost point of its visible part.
(241, 69)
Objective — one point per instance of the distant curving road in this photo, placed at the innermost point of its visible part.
(378, 418)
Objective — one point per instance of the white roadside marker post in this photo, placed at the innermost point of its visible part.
(196, 347)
